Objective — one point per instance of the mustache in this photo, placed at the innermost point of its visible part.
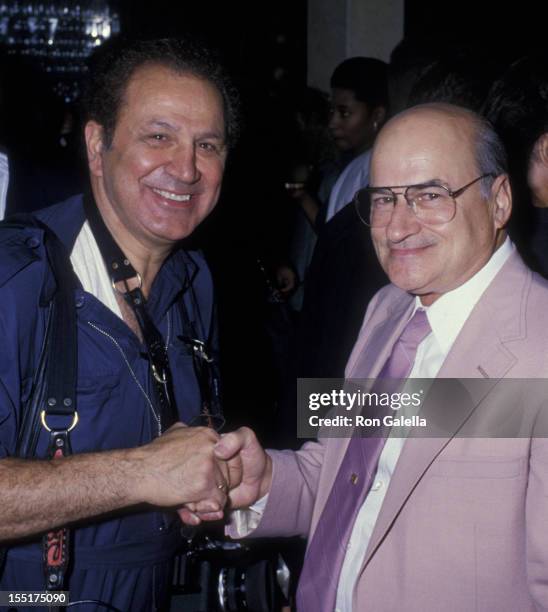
(409, 245)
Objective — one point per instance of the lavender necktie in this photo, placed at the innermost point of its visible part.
(324, 559)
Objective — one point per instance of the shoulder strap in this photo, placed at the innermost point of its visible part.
(54, 385)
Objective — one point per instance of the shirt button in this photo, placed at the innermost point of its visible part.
(80, 301)
(377, 485)
(32, 242)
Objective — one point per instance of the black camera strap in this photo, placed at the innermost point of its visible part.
(61, 396)
(53, 393)
(121, 271)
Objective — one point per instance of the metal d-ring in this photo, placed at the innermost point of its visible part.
(47, 428)
(163, 379)
(139, 284)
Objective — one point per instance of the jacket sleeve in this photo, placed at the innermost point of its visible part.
(290, 503)
(22, 277)
(10, 391)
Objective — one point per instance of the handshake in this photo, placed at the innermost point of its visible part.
(200, 473)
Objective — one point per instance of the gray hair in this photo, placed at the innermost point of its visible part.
(490, 154)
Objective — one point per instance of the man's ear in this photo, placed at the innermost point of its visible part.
(541, 149)
(502, 194)
(93, 133)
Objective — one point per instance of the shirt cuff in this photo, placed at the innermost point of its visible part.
(245, 520)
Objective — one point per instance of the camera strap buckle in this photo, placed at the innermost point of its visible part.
(56, 543)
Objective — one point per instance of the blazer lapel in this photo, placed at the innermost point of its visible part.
(375, 343)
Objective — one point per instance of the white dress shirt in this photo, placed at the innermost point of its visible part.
(90, 268)
(446, 316)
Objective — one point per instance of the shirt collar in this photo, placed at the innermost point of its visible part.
(175, 276)
(449, 312)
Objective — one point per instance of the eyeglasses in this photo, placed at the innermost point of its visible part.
(433, 204)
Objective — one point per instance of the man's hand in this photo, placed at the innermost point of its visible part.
(247, 459)
(180, 467)
(177, 468)
(250, 472)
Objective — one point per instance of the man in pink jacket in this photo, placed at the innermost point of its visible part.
(450, 522)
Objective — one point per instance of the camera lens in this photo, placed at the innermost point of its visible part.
(251, 588)
(232, 589)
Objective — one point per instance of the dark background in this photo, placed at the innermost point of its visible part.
(264, 45)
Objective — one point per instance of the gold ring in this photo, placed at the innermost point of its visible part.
(223, 487)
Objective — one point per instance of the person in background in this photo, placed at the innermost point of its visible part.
(344, 273)
(313, 167)
(517, 106)
(359, 106)
(460, 76)
(359, 103)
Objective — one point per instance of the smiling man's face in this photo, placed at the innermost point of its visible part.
(161, 175)
(420, 146)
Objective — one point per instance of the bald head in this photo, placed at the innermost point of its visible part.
(441, 109)
(443, 145)
(452, 131)
(447, 113)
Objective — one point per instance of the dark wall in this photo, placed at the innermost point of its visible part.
(507, 30)
(255, 37)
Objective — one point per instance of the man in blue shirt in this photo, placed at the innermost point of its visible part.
(160, 118)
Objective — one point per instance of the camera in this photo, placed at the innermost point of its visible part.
(216, 575)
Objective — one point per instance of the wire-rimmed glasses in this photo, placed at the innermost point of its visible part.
(432, 203)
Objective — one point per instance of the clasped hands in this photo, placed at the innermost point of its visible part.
(201, 473)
